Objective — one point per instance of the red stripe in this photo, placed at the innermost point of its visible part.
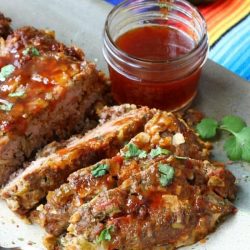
(218, 10)
(227, 13)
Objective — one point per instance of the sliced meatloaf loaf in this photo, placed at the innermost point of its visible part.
(50, 170)
(157, 140)
(46, 89)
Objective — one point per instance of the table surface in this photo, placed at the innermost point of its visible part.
(221, 93)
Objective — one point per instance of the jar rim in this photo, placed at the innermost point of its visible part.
(150, 61)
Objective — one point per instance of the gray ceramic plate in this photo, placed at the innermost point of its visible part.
(81, 22)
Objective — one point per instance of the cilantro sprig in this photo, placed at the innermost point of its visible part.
(100, 170)
(237, 146)
(166, 174)
(105, 234)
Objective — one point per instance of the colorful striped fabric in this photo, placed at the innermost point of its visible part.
(228, 24)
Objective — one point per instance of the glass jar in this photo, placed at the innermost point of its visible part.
(170, 82)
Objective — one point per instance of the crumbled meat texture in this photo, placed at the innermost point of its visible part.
(191, 116)
(111, 112)
(5, 28)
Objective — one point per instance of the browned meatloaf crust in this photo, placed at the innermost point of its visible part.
(82, 186)
(5, 28)
(143, 213)
(53, 166)
(45, 96)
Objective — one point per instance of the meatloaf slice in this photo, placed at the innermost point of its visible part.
(171, 203)
(47, 173)
(45, 91)
(82, 186)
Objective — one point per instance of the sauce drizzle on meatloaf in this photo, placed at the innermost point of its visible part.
(144, 213)
(46, 89)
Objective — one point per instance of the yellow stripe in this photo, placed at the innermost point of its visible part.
(228, 22)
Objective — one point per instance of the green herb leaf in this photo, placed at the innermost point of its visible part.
(207, 128)
(158, 151)
(232, 123)
(5, 105)
(18, 93)
(238, 146)
(31, 50)
(166, 174)
(143, 154)
(100, 170)
(105, 234)
(6, 71)
(134, 151)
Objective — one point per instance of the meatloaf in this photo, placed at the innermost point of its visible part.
(46, 89)
(58, 160)
(159, 136)
(172, 202)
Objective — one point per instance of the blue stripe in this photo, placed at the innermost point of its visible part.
(218, 51)
(245, 69)
(239, 59)
(237, 49)
(115, 2)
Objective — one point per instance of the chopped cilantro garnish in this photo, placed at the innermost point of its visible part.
(32, 51)
(134, 151)
(143, 154)
(158, 151)
(18, 93)
(166, 174)
(100, 170)
(105, 234)
(237, 146)
(5, 105)
(6, 71)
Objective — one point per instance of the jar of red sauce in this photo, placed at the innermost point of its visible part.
(155, 50)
